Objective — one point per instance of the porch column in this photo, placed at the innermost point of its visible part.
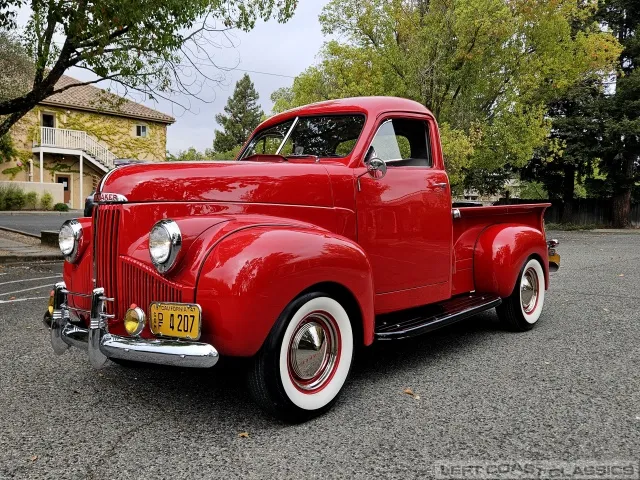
(81, 204)
(41, 167)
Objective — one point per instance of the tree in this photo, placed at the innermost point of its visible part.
(620, 111)
(17, 69)
(193, 155)
(486, 68)
(242, 115)
(574, 143)
(155, 47)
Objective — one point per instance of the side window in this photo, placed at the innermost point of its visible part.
(402, 142)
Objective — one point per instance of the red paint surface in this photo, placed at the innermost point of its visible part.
(257, 233)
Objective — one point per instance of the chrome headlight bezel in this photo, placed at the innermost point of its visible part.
(170, 229)
(76, 234)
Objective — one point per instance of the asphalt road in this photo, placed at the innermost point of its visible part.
(35, 223)
(567, 390)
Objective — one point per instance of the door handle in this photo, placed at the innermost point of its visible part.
(442, 185)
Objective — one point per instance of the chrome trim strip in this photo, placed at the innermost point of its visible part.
(101, 345)
(286, 137)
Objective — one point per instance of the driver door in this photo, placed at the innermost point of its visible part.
(404, 218)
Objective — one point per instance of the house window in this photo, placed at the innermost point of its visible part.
(48, 120)
(141, 131)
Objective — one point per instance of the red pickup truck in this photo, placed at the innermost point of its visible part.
(333, 228)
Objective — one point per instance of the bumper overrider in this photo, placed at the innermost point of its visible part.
(101, 345)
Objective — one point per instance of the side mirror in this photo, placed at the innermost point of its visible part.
(377, 168)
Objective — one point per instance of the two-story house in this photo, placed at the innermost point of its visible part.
(71, 139)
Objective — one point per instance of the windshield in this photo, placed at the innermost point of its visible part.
(329, 136)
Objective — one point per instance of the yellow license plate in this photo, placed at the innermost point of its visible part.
(180, 320)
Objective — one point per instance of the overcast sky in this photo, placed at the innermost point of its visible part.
(283, 49)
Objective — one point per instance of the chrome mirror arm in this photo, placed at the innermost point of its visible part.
(376, 168)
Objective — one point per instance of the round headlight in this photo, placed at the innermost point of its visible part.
(69, 239)
(165, 241)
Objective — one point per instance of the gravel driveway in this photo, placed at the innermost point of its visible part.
(568, 390)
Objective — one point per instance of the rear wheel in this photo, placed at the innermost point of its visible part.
(521, 310)
(305, 360)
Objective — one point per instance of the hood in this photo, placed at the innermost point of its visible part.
(293, 183)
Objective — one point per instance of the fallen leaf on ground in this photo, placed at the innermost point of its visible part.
(408, 391)
(243, 434)
(34, 458)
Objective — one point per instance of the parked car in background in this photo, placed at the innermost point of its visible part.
(334, 229)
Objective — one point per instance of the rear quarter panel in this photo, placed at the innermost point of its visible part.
(490, 245)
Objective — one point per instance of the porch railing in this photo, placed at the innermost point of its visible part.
(77, 140)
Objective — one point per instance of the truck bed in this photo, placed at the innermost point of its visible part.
(472, 221)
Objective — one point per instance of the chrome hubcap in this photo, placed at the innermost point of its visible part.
(313, 351)
(529, 287)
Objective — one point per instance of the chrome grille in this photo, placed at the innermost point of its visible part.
(141, 286)
(106, 224)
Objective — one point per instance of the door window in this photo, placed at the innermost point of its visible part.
(48, 120)
(402, 142)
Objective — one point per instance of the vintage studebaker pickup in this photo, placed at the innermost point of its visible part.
(333, 228)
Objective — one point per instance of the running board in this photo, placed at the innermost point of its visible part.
(409, 323)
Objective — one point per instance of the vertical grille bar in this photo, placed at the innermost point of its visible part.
(108, 223)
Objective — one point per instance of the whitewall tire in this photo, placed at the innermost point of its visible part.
(522, 309)
(305, 361)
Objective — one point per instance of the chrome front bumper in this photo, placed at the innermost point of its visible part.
(101, 345)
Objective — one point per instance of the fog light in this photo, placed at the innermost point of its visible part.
(134, 321)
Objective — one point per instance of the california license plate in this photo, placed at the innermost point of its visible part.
(180, 320)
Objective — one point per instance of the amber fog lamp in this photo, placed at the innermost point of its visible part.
(134, 321)
(69, 240)
(165, 241)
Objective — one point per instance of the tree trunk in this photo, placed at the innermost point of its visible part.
(621, 208)
(621, 203)
(568, 189)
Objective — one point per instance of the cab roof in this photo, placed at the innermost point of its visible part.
(370, 106)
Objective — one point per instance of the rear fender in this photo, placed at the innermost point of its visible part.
(251, 275)
(500, 253)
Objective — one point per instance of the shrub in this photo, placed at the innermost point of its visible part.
(46, 201)
(2, 196)
(31, 200)
(14, 198)
(61, 207)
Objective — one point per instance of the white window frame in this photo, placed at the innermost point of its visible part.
(141, 126)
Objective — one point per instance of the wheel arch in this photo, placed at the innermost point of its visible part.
(347, 299)
(251, 275)
(500, 252)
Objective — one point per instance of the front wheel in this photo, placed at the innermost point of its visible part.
(305, 361)
(521, 310)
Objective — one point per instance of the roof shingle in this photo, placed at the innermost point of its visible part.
(94, 99)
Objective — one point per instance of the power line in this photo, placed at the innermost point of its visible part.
(261, 73)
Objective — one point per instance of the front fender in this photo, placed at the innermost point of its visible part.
(251, 275)
(500, 253)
